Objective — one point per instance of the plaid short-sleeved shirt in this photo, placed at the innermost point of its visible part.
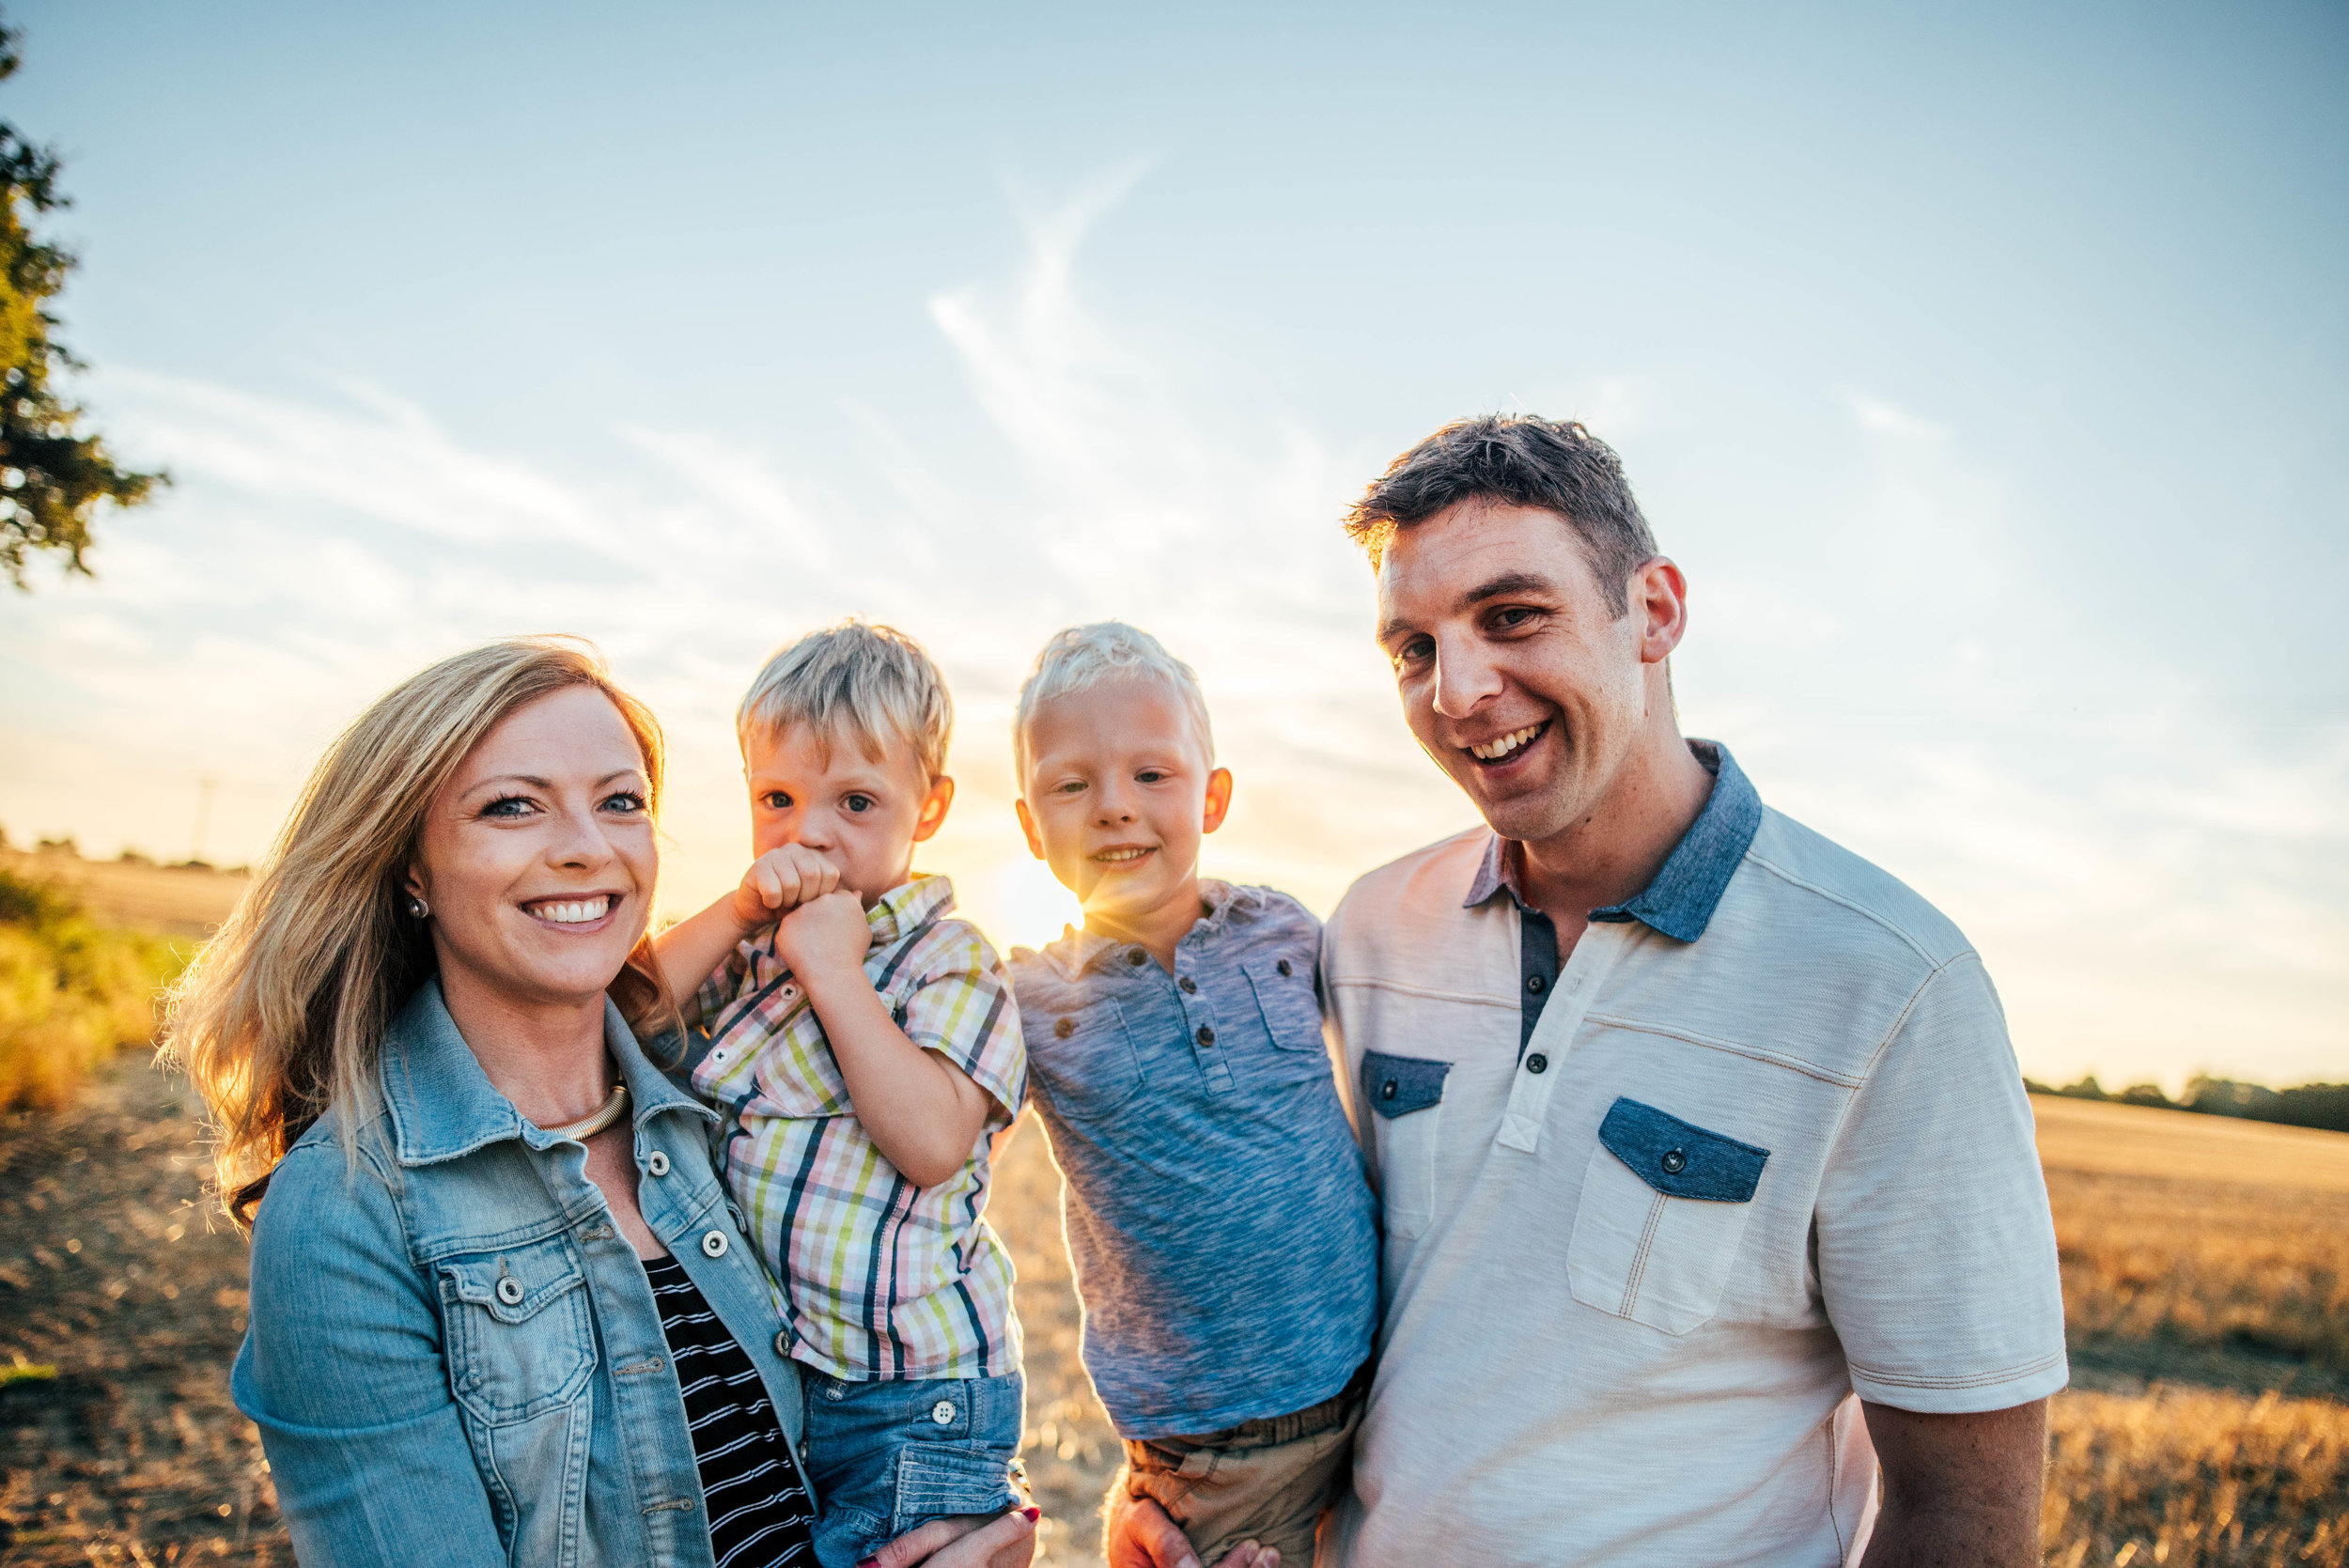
(881, 1279)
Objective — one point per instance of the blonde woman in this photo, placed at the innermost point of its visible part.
(501, 1311)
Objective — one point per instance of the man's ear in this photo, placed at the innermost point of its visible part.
(1027, 825)
(1659, 597)
(1219, 801)
(934, 806)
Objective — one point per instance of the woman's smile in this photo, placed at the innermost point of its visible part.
(575, 912)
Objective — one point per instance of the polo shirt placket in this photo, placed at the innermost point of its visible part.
(1561, 1014)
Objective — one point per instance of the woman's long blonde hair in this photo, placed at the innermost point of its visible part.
(281, 1015)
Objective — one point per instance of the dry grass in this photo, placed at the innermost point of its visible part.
(178, 901)
(2191, 1477)
(71, 991)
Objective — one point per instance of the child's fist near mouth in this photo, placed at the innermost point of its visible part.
(779, 881)
(825, 936)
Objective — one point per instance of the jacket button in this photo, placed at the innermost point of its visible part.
(510, 1291)
(783, 1344)
(1538, 1062)
(1207, 1035)
(714, 1243)
(656, 1162)
(1674, 1162)
(943, 1412)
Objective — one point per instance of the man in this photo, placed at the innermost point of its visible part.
(1709, 1188)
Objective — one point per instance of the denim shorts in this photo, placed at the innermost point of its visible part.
(889, 1456)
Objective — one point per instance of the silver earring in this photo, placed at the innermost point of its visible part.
(417, 907)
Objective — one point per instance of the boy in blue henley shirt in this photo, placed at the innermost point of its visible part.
(1223, 1234)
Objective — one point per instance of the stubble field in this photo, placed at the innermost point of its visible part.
(2206, 1283)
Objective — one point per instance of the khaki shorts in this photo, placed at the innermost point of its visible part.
(1265, 1480)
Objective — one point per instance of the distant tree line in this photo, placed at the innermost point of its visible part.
(2309, 1105)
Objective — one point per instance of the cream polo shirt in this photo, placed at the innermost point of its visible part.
(1765, 1152)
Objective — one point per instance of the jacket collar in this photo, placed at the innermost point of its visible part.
(1681, 899)
(443, 1106)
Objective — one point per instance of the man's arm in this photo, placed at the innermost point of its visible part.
(1959, 1491)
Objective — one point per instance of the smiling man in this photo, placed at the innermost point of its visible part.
(1708, 1178)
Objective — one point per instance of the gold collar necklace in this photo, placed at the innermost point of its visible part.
(597, 1120)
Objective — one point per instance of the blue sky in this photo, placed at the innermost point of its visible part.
(1983, 370)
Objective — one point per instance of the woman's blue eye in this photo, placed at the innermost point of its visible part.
(626, 800)
(507, 805)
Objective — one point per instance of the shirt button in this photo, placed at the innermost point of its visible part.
(1063, 1029)
(656, 1162)
(1674, 1162)
(1538, 1062)
(1386, 1089)
(1283, 967)
(1207, 1035)
(510, 1291)
(714, 1243)
(1137, 957)
(1535, 983)
(1190, 987)
(943, 1412)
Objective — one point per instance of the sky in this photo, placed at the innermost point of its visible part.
(1983, 369)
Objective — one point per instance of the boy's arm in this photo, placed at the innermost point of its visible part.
(692, 950)
(921, 1110)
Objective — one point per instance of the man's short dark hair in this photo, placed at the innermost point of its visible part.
(1521, 461)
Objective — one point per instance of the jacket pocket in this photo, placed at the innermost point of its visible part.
(519, 1340)
(1407, 1092)
(1085, 1062)
(1663, 1210)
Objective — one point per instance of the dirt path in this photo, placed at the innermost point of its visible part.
(112, 1275)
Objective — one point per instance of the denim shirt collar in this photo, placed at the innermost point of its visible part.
(1681, 900)
(1078, 950)
(443, 1106)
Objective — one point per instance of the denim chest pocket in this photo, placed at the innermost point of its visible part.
(1664, 1208)
(1084, 1061)
(521, 1341)
(1406, 1095)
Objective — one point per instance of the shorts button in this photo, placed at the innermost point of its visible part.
(656, 1162)
(835, 1393)
(714, 1243)
(1674, 1162)
(510, 1291)
(943, 1412)
(1538, 1062)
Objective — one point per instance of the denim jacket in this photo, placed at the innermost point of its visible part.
(454, 1355)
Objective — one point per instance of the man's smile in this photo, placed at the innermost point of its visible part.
(1506, 748)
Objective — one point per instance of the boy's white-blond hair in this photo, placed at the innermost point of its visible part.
(1079, 658)
(871, 683)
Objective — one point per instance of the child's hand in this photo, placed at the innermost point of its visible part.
(779, 881)
(825, 936)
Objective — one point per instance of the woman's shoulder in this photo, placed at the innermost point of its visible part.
(324, 1192)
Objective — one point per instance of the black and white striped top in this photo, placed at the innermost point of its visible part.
(759, 1514)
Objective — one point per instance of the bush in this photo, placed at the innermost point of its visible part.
(71, 991)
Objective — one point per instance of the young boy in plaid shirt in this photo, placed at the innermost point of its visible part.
(868, 1051)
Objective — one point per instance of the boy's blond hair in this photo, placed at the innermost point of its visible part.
(872, 683)
(1081, 657)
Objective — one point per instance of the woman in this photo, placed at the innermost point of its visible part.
(501, 1310)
